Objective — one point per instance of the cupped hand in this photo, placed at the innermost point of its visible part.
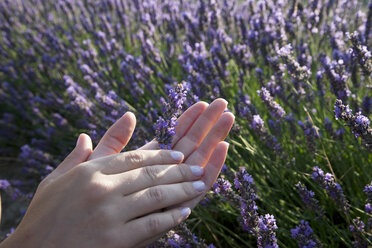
(113, 201)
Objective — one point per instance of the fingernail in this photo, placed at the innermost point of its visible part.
(196, 170)
(176, 155)
(199, 185)
(185, 212)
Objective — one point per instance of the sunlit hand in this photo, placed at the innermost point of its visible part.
(113, 201)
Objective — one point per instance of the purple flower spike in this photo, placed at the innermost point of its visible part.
(368, 207)
(358, 123)
(248, 209)
(305, 236)
(165, 127)
(357, 229)
(266, 236)
(275, 109)
(307, 196)
(257, 123)
(4, 184)
(334, 190)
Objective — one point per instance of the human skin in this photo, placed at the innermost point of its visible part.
(199, 137)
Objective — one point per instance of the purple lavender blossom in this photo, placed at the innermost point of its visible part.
(368, 191)
(359, 234)
(275, 109)
(257, 123)
(334, 190)
(4, 184)
(367, 104)
(337, 76)
(368, 207)
(307, 196)
(180, 237)
(244, 183)
(360, 53)
(300, 74)
(222, 187)
(311, 133)
(165, 127)
(305, 236)
(358, 123)
(266, 237)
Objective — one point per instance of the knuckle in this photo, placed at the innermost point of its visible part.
(188, 189)
(182, 171)
(151, 172)
(135, 157)
(82, 171)
(156, 194)
(153, 225)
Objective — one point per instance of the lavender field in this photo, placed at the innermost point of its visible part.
(296, 74)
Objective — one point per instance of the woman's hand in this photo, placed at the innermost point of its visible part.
(113, 201)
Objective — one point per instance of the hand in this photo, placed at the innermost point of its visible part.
(200, 131)
(113, 201)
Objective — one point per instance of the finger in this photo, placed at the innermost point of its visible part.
(79, 155)
(159, 197)
(149, 176)
(201, 127)
(116, 137)
(154, 224)
(185, 121)
(217, 134)
(211, 171)
(127, 161)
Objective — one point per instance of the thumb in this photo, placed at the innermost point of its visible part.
(80, 154)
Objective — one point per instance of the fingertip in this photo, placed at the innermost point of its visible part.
(130, 115)
(185, 212)
(85, 142)
(222, 100)
(225, 144)
(177, 156)
(229, 116)
(202, 104)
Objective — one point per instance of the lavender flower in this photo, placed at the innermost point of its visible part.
(337, 76)
(266, 236)
(180, 237)
(334, 190)
(299, 73)
(367, 104)
(222, 187)
(305, 236)
(368, 207)
(4, 184)
(359, 234)
(275, 109)
(359, 124)
(248, 209)
(307, 196)
(311, 134)
(368, 191)
(257, 123)
(166, 126)
(360, 53)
